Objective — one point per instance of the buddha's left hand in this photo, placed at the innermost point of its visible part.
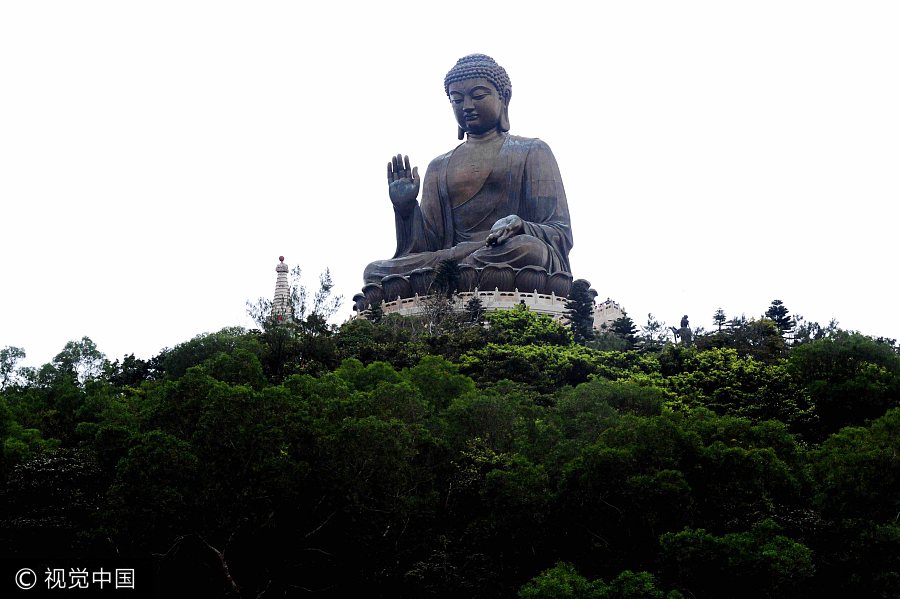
(505, 228)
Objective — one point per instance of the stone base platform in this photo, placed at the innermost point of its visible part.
(410, 292)
(540, 303)
(605, 313)
(500, 278)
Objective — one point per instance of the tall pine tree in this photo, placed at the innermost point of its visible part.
(475, 309)
(580, 310)
(779, 313)
(625, 328)
(719, 319)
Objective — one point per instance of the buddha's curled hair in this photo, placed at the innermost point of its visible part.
(479, 65)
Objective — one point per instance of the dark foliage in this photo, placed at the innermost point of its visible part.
(383, 460)
(580, 310)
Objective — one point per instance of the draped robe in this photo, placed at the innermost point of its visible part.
(524, 181)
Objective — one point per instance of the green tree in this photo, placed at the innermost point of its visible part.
(645, 476)
(760, 339)
(580, 310)
(857, 472)
(806, 332)
(849, 378)
(779, 314)
(173, 363)
(745, 565)
(151, 498)
(81, 360)
(544, 368)
(446, 279)
(521, 326)
(388, 341)
(485, 416)
(131, 371)
(9, 357)
(634, 585)
(19, 443)
(564, 581)
(729, 383)
(559, 582)
(719, 319)
(475, 309)
(240, 367)
(439, 381)
(653, 335)
(375, 313)
(624, 328)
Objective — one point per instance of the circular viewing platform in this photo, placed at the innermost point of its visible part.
(605, 313)
(540, 303)
(496, 287)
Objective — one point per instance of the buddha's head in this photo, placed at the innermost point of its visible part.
(479, 90)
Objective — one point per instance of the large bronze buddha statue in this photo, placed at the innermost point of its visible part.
(495, 204)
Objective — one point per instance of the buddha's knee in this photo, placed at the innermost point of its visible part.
(518, 252)
(531, 249)
(373, 272)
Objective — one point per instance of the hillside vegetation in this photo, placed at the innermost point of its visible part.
(376, 459)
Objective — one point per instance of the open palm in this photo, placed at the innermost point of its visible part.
(403, 182)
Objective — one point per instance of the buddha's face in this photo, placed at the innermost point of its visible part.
(477, 105)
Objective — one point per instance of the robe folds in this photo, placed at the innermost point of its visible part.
(524, 181)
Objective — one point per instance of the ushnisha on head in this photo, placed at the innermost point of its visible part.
(481, 66)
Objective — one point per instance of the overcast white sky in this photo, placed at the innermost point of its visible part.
(157, 157)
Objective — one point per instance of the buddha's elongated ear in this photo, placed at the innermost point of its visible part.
(503, 125)
(460, 134)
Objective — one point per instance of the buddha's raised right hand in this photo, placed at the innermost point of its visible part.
(403, 183)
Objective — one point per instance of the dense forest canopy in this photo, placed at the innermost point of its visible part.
(472, 455)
